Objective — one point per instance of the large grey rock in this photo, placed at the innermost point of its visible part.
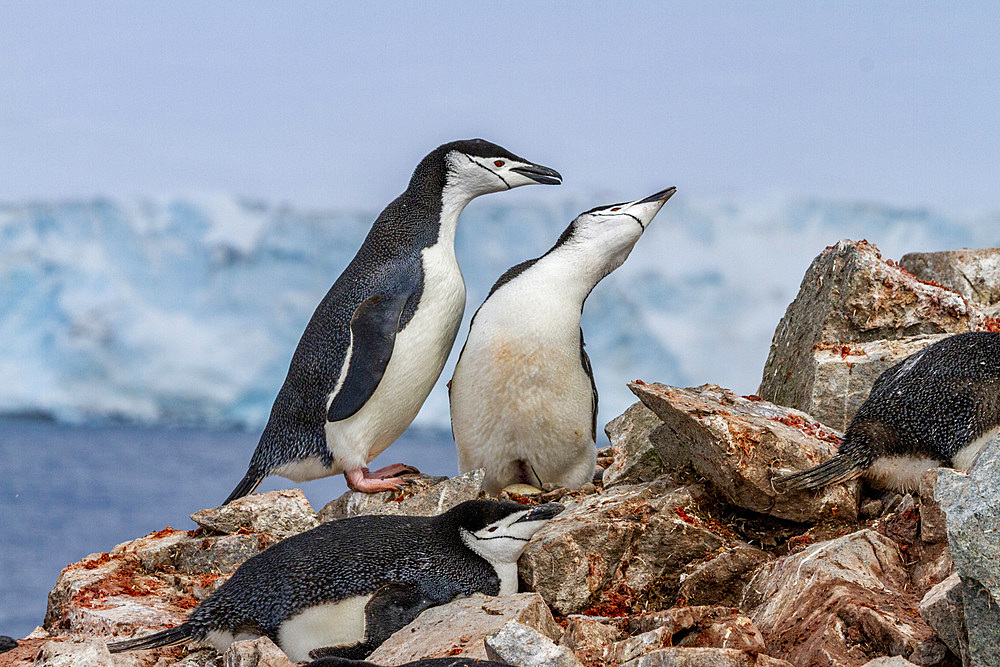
(704, 657)
(519, 645)
(626, 537)
(424, 496)
(933, 528)
(971, 504)
(281, 513)
(851, 295)
(973, 273)
(706, 627)
(942, 609)
(459, 628)
(737, 442)
(821, 605)
(73, 653)
(590, 636)
(634, 458)
(719, 580)
(261, 652)
(889, 661)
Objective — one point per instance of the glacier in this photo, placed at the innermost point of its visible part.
(186, 310)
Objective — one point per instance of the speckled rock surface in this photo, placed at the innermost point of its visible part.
(260, 652)
(943, 610)
(972, 272)
(739, 444)
(281, 513)
(635, 458)
(704, 657)
(517, 644)
(424, 496)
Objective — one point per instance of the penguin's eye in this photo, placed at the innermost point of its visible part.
(616, 208)
(498, 163)
(492, 529)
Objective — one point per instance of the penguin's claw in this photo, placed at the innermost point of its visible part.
(394, 470)
(365, 482)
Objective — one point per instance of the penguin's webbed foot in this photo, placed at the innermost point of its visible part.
(394, 470)
(360, 479)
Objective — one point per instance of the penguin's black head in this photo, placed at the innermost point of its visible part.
(499, 531)
(475, 166)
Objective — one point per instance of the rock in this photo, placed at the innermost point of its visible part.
(628, 537)
(459, 628)
(589, 636)
(260, 652)
(821, 605)
(736, 631)
(932, 524)
(708, 627)
(851, 295)
(943, 610)
(885, 661)
(7, 644)
(424, 496)
(735, 442)
(973, 273)
(280, 513)
(933, 566)
(971, 505)
(74, 653)
(704, 657)
(517, 644)
(634, 459)
(719, 581)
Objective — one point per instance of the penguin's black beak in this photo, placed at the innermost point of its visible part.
(662, 195)
(540, 174)
(542, 512)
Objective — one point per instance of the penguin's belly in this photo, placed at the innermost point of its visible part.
(340, 623)
(524, 397)
(418, 357)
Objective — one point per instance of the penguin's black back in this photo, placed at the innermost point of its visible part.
(344, 558)
(932, 403)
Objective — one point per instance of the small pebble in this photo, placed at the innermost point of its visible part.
(522, 489)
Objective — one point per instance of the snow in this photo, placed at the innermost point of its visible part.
(187, 310)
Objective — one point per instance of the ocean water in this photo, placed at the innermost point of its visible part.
(69, 491)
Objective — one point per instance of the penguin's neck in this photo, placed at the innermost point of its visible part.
(454, 199)
(572, 271)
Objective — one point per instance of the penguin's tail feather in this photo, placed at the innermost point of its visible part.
(840, 468)
(164, 638)
(247, 485)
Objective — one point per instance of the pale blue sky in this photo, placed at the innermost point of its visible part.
(333, 103)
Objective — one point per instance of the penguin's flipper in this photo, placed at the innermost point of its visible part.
(373, 334)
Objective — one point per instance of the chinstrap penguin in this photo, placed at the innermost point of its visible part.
(351, 583)
(322, 661)
(523, 397)
(937, 407)
(379, 338)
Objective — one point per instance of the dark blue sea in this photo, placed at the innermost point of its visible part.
(69, 491)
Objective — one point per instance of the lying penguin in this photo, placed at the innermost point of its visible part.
(523, 398)
(349, 584)
(426, 662)
(937, 407)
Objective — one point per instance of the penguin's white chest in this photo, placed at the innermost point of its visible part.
(418, 357)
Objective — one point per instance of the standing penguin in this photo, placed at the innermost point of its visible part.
(379, 339)
(345, 586)
(937, 407)
(523, 398)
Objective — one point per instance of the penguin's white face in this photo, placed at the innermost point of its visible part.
(476, 175)
(613, 230)
(503, 540)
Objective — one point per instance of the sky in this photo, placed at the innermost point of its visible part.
(331, 104)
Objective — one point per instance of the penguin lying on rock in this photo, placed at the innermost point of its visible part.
(380, 337)
(426, 662)
(523, 398)
(937, 407)
(349, 584)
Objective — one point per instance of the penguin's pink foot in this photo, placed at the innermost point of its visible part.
(393, 470)
(361, 480)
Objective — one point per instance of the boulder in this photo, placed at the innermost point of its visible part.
(590, 636)
(610, 549)
(708, 627)
(736, 443)
(704, 657)
(821, 605)
(634, 459)
(971, 505)
(719, 580)
(933, 529)
(886, 661)
(260, 652)
(74, 653)
(851, 295)
(280, 513)
(517, 644)
(943, 610)
(973, 273)
(459, 628)
(423, 496)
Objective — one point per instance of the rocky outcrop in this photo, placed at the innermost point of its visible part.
(634, 459)
(517, 644)
(850, 295)
(971, 505)
(280, 513)
(973, 273)
(424, 495)
(736, 442)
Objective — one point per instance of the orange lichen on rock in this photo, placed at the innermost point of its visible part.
(815, 429)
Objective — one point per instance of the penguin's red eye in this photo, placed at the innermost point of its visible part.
(498, 163)
(493, 529)
(616, 208)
